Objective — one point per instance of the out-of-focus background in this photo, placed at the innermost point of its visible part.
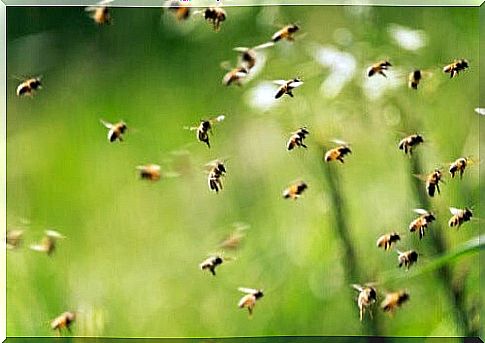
(129, 262)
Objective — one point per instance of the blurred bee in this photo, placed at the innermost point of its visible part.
(212, 262)
(180, 11)
(48, 243)
(214, 15)
(338, 153)
(378, 68)
(217, 170)
(249, 300)
(432, 182)
(421, 223)
(286, 87)
(456, 67)
(414, 79)
(233, 241)
(248, 55)
(295, 190)
(407, 258)
(100, 13)
(367, 297)
(296, 138)
(64, 321)
(14, 238)
(205, 127)
(408, 143)
(459, 217)
(286, 32)
(459, 166)
(29, 86)
(149, 172)
(394, 300)
(386, 241)
(116, 130)
(235, 76)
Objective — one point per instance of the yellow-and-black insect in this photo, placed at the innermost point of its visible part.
(205, 127)
(211, 263)
(235, 76)
(460, 216)
(408, 143)
(456, 67)
(235, 238)
(432, 181)
(407, 258)
(394, 300)
(116, 130)
(63, 321)
(14, 238)
(295, 190)
(287, 86)
(379, 68)
(48, 243)
(248, 56)
(216, 172)
(100, 13)
(286, 32)
(29, 86)
(367, 297)
(414, 79)
(338, 153)
(459, 166)
(249, 299)
(420, 224)
(296, 138)
(179, 10)
(150, 172)
(214, 15)
(386, 241)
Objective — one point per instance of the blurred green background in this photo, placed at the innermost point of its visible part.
(129, 262)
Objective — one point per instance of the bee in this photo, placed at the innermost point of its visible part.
(116, 130)
(414, 79)
(216, 172)
(432, 182)
(233, 240)
(29, 86)
(421, 223)
(235, 75)
(407, 258)
(408, 143)
(180, 11)
(295, 190)
(338, 153)
(386, 241)
(394, 300)
(14, 238)
(286, 32)
(378, 68)
(459, 166)
(48, 242)
(205, 127)
(149, 172)
(64, 321)
(367, 297)
(248, 55)
(214, 15)
(286, 87)
(249, 300)
(100, 13)
(211, 263)
(456, 67)
(296, 138)
(459, 217)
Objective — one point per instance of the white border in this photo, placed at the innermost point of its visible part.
(3, 171)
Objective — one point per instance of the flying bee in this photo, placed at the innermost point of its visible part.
(205, 127)
(456, 67)
(48, 242)
(286, 32)
(149, 172)
(394, 300)
(249, 300)
(14, 238)
(414, 79)
(234, 239)
(421, 223)
(459, 166)
(338, 153)
(408, 143)
(216, 172)
(248, 56)
(212, 262)
(235, 76)
(214, 15)
(432, 181)
(64, 321)
(286, 87)
(116, 130)
(367, 297)
(407, 258)
(100, 13)
(386, 241)
(295, 190)
(296, 138)
(379, 68)
(180, 11)
(459, 217)
(29, 86)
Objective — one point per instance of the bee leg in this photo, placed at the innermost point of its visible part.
(341, 159)
(290, 93)
(382, 73)
(361, 313)
(213, 271)
(303, 145)
(438, 188)
(461, 174)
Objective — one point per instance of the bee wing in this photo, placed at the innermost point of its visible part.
(38, 247)
(280, 82)
(106, 124)
(339, 141)
(217, 119)
(420, 211)
(53, 234)
(357, 287)
(241, 49)
(191, 128)
(420, 176)
(263, 46)
(170, 174)
(247, 290)
(455, 211)
(480, 111)
(295, 84)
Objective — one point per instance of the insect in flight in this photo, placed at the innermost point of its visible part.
(296, 138)
(295, 190)
(421, 223)
(394, 300)
(234, 239)
(407, 144)
(386, 241)
(216, 172)
(63, 321)
(14, 238)
(149, 172)
(459, 165)
(459, 217)
(338, 153)
(205, 126)
(379, 68)
(414, 79)
(212, 262)
(179, 10)
(456, 67)
(48, 243)
(29, 86)
(116, 130)
(432, 181)
(248, 56)
(407, 258)
(367, 297)
(249, 299)
(100, 13)
(213, 15)
(286, 32)
(287, 86)
(235, 76)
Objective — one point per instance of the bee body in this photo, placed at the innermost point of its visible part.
(115, 131)
(286, 32)
(456, 67)
(337, 154)
(386, 241)
(414, 79)
(459, 217)
(205, 126)
(421, 223)
(378, 68)
(408, 143)
(296, 139)
(235, 76)
(180, 11)
(407, 258)
(249, 300)
(432, 182)
(48, 242)
(216, 173)
(459, 166)
(295, 190)
(248, 56)
(215, 16)
(286, 87)
(367, 297)
(28, 87)
(64, 321)
(150, 172)
(211, 263)
(394, 300)
(14, 238)
(100, 14)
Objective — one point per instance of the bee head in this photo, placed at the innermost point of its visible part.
(467, 213)
(218, 260)
(220, 166)
(258, 294)
(293, 28)
(206, 125)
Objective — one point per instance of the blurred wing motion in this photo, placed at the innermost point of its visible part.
(480, 111)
